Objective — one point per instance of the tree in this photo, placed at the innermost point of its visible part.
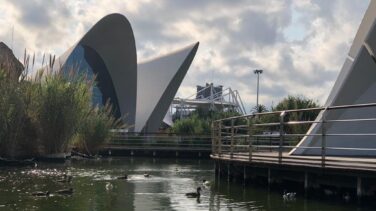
(288, 103)
(295, 102)
(298, 102)
(259, 109)
(199, 122)
(193, 125)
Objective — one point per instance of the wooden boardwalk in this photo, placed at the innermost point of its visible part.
(251, 147)
(332, 163)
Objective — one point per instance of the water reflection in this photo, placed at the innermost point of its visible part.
(165, 189)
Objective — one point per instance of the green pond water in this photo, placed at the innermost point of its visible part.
(165, 189)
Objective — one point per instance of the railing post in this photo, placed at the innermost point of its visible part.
(281, 136)
(323, 139)
(213, 137)
(249, 138)
(232, 139)
(219, 138)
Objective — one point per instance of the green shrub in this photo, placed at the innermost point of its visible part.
(199, 122)
(193, 125)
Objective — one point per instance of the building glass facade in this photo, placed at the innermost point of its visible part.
(87, 62)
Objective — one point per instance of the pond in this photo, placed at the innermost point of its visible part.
(96, 187)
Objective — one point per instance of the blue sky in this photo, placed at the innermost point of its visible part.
(300, 44)
(296, 31)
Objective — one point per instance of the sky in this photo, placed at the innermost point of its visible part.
(300, 44)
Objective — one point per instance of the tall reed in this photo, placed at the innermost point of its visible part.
(43, 113)
(17, 134)
(95, 130)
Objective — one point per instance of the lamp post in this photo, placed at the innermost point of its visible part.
(258, 72)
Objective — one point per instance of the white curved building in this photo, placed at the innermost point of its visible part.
(356, 84)
(142, 93)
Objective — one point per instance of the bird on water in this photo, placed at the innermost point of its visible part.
(289, 196)
(205, 182)
(109, 186)
(346, 197)
(194, 194)
(123, 177)
(41, 193)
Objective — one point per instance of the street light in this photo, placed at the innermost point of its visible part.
(258, 72)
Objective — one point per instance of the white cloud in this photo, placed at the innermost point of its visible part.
(301, 44)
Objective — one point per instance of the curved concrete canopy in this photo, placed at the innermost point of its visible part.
(157, 83)
(110, 51)
(355, 84)
(112, 39)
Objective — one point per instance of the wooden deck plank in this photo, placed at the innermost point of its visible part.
(332, 162)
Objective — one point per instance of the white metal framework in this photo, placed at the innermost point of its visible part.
(226, 99)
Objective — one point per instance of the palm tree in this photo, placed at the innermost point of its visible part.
(259, 109)
(298, 102)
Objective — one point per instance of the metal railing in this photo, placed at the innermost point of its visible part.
(253, 138)
(159, 141)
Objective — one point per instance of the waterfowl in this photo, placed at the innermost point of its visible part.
(68, 191)
(205, 182)
(289, 196)
(41, 193)
(123, 177)
(329, 192)
(109, 186)
(194, 194)
(346, 196)
(146, 175)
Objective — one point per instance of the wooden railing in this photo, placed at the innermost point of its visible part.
(244, 138)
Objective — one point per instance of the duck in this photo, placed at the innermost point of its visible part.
(291, 196)
(328, 192)
(41, 193)
(194, 194)
(205, 182)
(146, 175)
(125, 177)
(346, 196)
(109, 186)
(68, 191)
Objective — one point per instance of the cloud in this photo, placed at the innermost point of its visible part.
(300, 44)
